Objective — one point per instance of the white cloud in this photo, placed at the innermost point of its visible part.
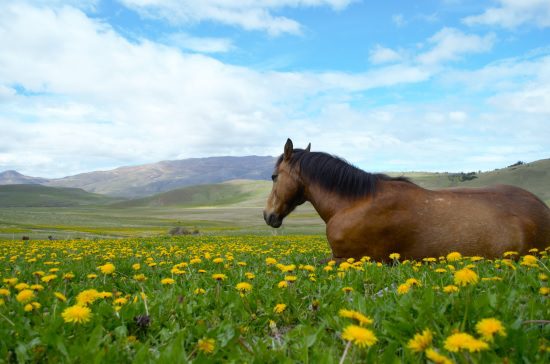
(399, 20)
(247, 14)
(381, 54)
(94, 98)
(200, 44)
(450, 44)
(513, 13)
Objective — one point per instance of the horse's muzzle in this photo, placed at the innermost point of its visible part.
(273, 220)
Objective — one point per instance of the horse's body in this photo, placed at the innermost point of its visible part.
(375, 215)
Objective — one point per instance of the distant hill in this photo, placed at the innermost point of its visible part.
(149, 179)
(152, 179)
(31, 195)
(534, 177)
(236, 192)
(16, 178)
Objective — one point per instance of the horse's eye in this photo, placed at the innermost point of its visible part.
(274, 178)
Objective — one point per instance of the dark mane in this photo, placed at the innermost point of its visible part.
(337, 175)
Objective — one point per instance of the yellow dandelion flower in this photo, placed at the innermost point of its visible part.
(199, 291)
(10, 281)
(136, 266)
(25, 296)
(140, 277)
(413, 282)
(395, 256)
(291, 278)
(454, 256)
(167, 281)
(328, 268)
(270, 261)
(282, 284)
(465, 277)
(217, 260)
(77, 314)
(60, 296)
(403, 288)
(362, 319)
(219, 276)
(279, 308)
(92, 276)
(359, 336)
(440, 270)
(206, 345)
(530, 261)
(510, 253)
(37, 287)
(21, 286)
(461, 340)
(108, 268)
(488, 327)
(4, 292)
(87, 296)
(244, 287)
(249, 275)
(48, 278)
(436, 357)
(121, 301)
(450, 289)
(28, 307)
(347, 289)
(420, 342)
(544, 291)
(543, 277)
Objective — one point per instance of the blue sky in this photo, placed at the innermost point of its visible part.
(451, 85)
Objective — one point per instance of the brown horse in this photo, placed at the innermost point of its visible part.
(374, 215)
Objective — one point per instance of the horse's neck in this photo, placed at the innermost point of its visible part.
(326, 203)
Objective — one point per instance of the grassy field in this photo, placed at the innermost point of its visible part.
(251, 299)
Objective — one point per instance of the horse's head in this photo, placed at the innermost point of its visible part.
(288, 188)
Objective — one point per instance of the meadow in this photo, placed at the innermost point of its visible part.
(265, 299)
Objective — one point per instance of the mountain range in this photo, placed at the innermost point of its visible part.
(149, 179)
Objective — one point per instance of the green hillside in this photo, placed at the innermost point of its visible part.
(534, 177)
(238, 192)
(42, 196)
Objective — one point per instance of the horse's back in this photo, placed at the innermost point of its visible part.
(510, 214)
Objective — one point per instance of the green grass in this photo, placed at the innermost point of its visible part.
(42, 196)
(167, 325)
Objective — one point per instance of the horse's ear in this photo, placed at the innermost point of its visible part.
(288, 149)
(308, 148)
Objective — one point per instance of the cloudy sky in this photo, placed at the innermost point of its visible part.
(449, 85)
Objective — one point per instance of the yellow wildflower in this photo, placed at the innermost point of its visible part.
(359, 336)
(244, 287)
(436, 357)
(450, 289)
(167, 281)
(420, 342)
(77, 314)
(395, 256)
(488, 327)
(25, 296)
(461, 340)
(206, 345)
(87, 296)
(451, 257)
(282, 284)
(60, 296)
(108, 268)
(219, 276)
(465, 276)
(279, 308)
(403, 288)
